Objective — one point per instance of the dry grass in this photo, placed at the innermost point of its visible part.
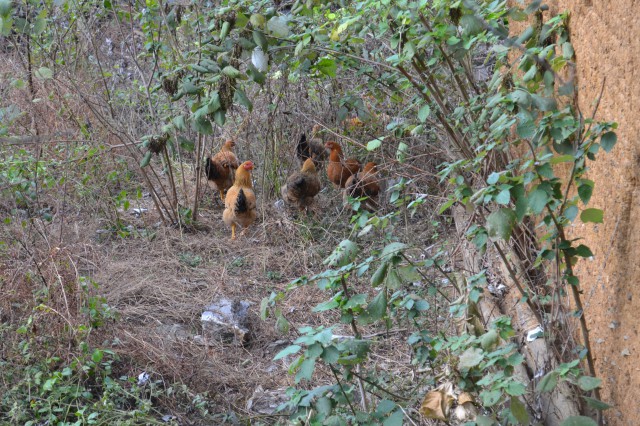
(160, 278)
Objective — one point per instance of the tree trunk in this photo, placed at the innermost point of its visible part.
(550, 408)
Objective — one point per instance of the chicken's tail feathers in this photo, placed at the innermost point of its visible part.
(211, 169)
(302, 148)
(298, 182)
(355, 189)
(242, 206)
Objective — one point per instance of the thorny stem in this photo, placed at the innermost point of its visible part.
(333, 370)
(196, 196)
(357, 335)
(575, 291)
(516, 281)
(425, 22)
(376, 385)
(450, 132)
(578, 301)
(173, 186)
(575, 163)
(427, 278)
(354, 326)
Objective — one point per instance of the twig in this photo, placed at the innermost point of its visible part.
(358, 335)
(333, 370)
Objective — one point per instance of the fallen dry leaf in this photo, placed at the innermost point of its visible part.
(437, 403)
(464, 397)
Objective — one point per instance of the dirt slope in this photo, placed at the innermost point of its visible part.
(606, 38)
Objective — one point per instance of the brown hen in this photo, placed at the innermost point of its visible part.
(302, 186)
(220, 168)
(312, 148)
(339, 170)
(365, 183)
(240, 201)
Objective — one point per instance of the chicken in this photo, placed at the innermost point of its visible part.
(364, 183)
(302, 186)
(220, 168)
(311, 148)
(240, 201)
(339, 170)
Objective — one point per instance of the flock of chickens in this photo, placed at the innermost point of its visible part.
(236, 189)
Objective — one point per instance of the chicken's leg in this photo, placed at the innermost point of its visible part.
(222, 195)
(233, 231)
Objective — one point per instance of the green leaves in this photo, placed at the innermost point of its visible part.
(489, 340)
(392, 249)
(44, 73)
(146, 159)
(578, 421)
(278, 27)
(327, 67)
(381, 273)
(470, 358)
(500, 223)
(289, 350)
(241, 99)
(305, 372)
(231, 71)
(588, 383)
(374, 144)
(471, 24)
(260, 39)
(592, 215)
(424, 113)
(538, 200)
(585, 190)
(608, 141)
(519, 411)
(548, 382)
(596, 403)
(5, 8)
(344, 254)
(375, 310)
(97, 355)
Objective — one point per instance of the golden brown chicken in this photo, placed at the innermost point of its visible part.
(220, 168)
(240, 201)
(302, 186)
(313, 148)
(339, 170)
(365, 183)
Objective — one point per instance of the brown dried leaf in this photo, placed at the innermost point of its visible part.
(437, 403)
(465, 397)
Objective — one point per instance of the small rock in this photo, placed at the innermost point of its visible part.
(614, 324)
(625, 352)
(226, 321)
(600, 341)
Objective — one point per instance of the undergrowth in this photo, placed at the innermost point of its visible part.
(380, 317)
